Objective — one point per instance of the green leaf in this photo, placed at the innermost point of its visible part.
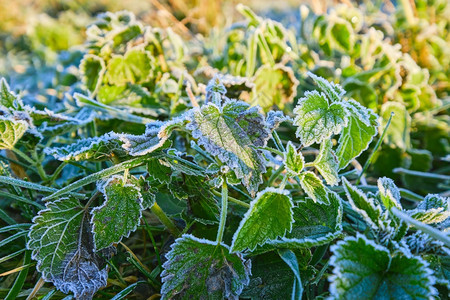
(342, 34)
(155, 136)
(269, 217)
(293, 160)
(134, 67)
(389, 193)
(334, 92)
(198, 268)
(364, 270)
(90, 149)
(316, 119)
(119, 215)
(8, 100)
(274, 86)
(357, 136)
(433, 209)
(92, 69)
(232, 132)
(366, 207)
(62, 245)
(271, 278)
(315, 224)
(326, 163)
(398, 133)
(313, 187)
(108, 112)
(11, 131)
(291, 260)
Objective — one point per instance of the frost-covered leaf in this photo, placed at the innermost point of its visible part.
(8, 100)
(106, 112)
(399, 130)
(314, 224)
(92, 69)
(271, 278)
(134, 67)
(334, 92)
(53, 124)
(119, 215)
(95, 149)
(313, 187)
(389, 193)
(364, 270)
(363, 205)
(156, 134)
(293, 160)
(274, 118)
(63, 247)
(269, 217)
(433, 209)
(201, 269)
(274, 86)
(420, 243)
(356, 137)
(11, 131)
(316, 119)
(326, 163)
(232, 132)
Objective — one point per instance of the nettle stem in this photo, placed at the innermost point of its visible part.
(165, 220)
(223, 212)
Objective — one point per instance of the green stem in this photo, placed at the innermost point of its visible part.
(275, 175)
(223, 212)
(277, 140)
(23, 156)
(369, 160)
(165, 220)
(234, 200)
(420, 174)
(422, 227)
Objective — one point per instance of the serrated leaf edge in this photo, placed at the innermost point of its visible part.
(101, 186)
(249, 211)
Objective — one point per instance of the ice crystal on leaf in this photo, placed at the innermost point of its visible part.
(316, 119)
(232, 132)
(119, 215)
(269, 217)
(202, 269)
(364, 270)
(62, 245)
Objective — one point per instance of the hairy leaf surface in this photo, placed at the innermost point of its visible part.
(293, 160)
(95, 149)
(62, 245)
(119, 215)
(314, 224)
(356, 137)
(11, 131)
(364, 270)
(232, 132)
(201, 269)
(326, 163)
(313, 187)
(269, 217)
(316, 119)
(366, 207)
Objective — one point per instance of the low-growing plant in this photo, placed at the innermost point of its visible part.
(158, 172)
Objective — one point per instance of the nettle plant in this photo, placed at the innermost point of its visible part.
(71, 239)
(247, 214)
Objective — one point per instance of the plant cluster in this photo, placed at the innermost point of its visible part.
(226, 166)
